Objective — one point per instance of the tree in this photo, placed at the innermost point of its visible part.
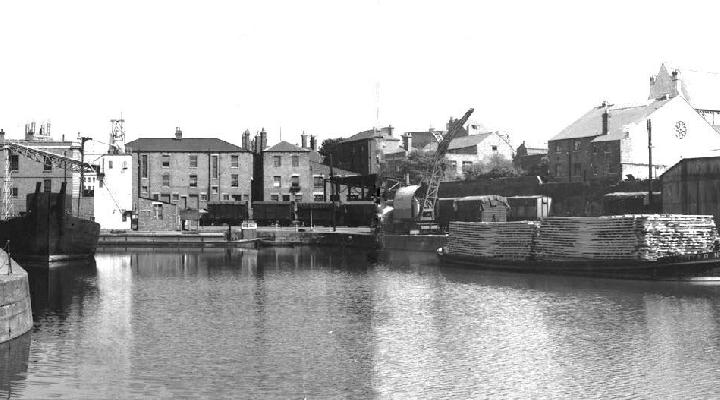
(496, 166)
(328, 147)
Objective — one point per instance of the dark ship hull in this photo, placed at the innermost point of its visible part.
(48, 231)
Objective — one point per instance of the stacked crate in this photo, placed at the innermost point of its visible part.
(501, 240)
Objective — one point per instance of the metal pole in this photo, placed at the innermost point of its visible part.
(650, 164)
(82, 170)
(332, 197)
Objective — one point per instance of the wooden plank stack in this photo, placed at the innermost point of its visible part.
(496, 240)
(622, 237)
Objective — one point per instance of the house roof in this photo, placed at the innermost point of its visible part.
(535, 151)
(590, 124)
(286, 147)
(371, 134)
(467, 141)
(182, 145)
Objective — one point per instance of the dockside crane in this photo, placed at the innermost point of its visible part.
(426, 218)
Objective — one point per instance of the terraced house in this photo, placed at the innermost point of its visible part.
(190, 172)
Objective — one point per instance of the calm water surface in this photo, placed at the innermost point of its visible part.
(327, 323)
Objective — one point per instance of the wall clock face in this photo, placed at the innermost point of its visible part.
(680, 129)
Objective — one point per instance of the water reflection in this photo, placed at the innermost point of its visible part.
(334, 323)
(14, 357)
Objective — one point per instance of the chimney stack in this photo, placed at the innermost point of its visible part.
(2, 136)
(246, 140)
(303, 140)
(407, 141)
(178, 133)
(29, 132)
(313, 142)
(605, 116)
(263, 139)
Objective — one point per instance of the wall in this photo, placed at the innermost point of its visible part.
(480, 153)
(15, 311)
(693, 187)
(147, 221)
(113, 193)
(285, 171)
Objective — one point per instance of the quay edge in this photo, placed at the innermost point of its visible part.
(15, 310)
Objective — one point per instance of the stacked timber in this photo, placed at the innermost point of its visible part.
(624, 237)
(512, 241)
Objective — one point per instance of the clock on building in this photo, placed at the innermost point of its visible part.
(680, 129)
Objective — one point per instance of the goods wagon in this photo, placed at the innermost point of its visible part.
(311, 214)
(270, 212)
(219, 213)
(359, 213)
(528, 208)
(445, 212)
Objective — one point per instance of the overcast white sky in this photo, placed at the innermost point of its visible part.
(216, 68)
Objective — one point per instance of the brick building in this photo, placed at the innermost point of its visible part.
(27, 172)
(286, 173)
(532, 160)
(610, 142)
(189, 172)
(154, 215)
(364, 152)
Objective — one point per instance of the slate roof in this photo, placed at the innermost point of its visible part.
(590, 124)
(286, 147)
(189, 145)
(467, 141)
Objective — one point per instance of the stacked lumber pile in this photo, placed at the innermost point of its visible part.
(497, 240)
(624, 237)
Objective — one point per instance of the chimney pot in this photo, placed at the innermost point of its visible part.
(303, 140)
(313, 142)
(178, 133)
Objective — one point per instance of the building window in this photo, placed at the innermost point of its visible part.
(298, 198)
(166, 160)
(319, 197)
(466, 165)
(557, 169)
(214, 167)
(245, 197)
(558, 148)
(47, 164)
(143, 166)
(225, 196)
(494, 148)
(295, 180)
(193, 180)
(165, 197)
(237, 197)
(277, 161)
(576, 145)
(144, 190)
(295, 161)
(234, 161)
(124, 164)
(156, 196)
(234, 180)
(47, 185)
(166, 180)
(193, 161)
(203, 196)
(110, 164)
(277, 182)
(175, 197)
(14, 192)
(274, 197)
(577, 167)
(14, 163)
(158, 210)
(214, 190)
(286, 197)
(318, 182)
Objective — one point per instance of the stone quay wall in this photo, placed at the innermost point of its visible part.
(15, 312)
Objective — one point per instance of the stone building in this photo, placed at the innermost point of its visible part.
(611, 142)
(189, 172)
(27, 172)
(532, 160)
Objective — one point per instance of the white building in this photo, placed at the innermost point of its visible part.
(701, 89)
(113, 192)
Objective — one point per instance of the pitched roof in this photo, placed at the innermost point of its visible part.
(182, 145)
(286, 147)
(322, 169)
(467, 141)
(590, 124)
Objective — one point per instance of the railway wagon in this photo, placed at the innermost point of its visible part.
(271, 212)
(311, 214)
(359, 213)
(528, 208)
(489, 208)
(445, 212)
(219, 213)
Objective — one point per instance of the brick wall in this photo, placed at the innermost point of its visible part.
(149, 219)
(285, 171)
